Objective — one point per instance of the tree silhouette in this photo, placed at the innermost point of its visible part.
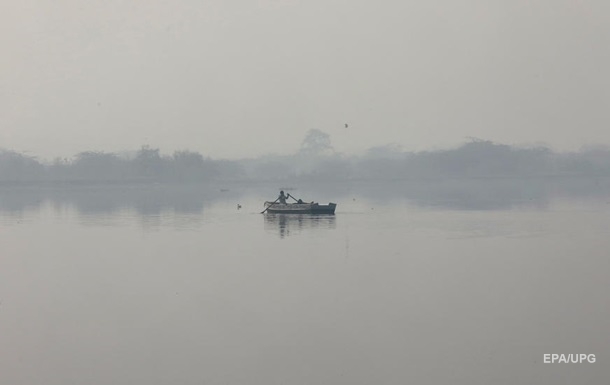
(316, 142)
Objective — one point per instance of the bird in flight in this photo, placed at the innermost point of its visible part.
(346, 125)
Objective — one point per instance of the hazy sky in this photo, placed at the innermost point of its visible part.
(237, 78)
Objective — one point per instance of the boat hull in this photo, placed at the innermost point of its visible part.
(300, 208)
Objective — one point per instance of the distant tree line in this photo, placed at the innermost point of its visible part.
(147, 165)
(477, 158)
(316, 160)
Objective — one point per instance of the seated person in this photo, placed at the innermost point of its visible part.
(282, 197)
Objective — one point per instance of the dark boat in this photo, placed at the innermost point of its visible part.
(300, 208)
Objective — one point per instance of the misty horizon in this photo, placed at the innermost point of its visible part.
(316, 160)
(388, 148)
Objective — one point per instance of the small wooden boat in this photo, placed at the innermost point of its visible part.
(300, 208)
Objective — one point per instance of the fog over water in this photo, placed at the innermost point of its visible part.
(466, 146)
(461, 281)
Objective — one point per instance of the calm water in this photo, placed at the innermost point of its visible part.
(459, 282)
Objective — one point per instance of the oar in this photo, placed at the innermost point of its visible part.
(262, 212)
(295, 199)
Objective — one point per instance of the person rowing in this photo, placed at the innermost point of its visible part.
(282, 198)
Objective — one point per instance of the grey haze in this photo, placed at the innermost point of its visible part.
(233, 79)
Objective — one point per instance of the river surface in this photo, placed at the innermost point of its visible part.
(434, 282)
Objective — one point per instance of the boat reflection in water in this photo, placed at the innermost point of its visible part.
(291, 224)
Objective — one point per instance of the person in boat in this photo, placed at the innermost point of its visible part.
(282, 198)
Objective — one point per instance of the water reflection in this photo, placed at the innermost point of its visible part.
(94, 199)
(465, 194)
(187, 202)
(291, 224)
(152, 205)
